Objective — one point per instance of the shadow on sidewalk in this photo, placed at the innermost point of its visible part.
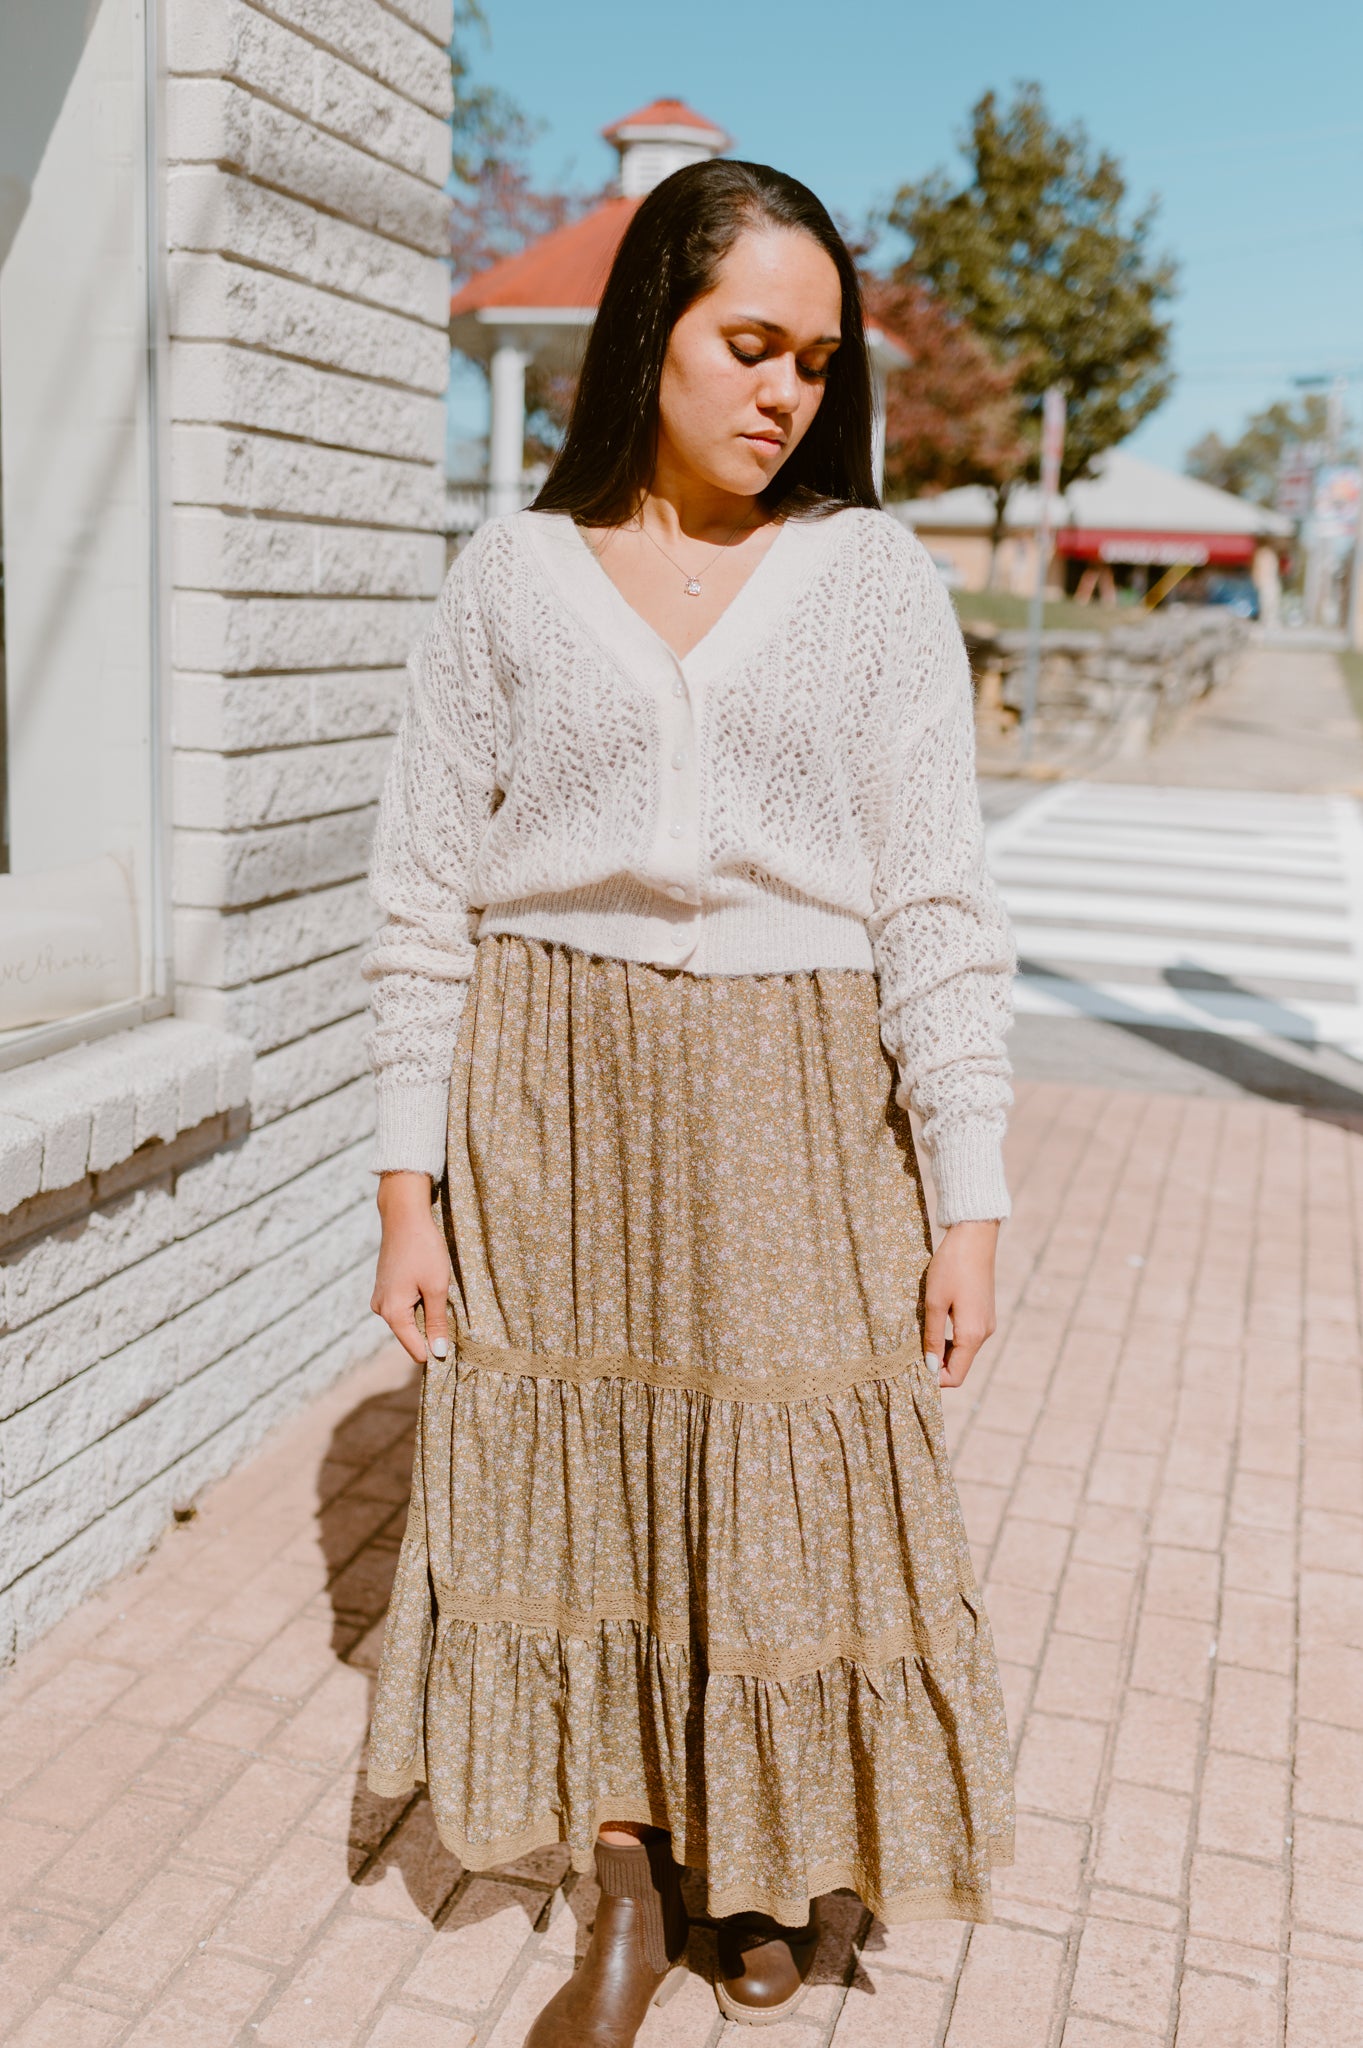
(363, 1486)
(1247, 1063)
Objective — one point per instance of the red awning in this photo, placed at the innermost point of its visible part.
(1160, 550)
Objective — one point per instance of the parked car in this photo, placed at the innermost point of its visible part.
(1238, 593)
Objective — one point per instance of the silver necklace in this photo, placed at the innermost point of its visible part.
(690, 584)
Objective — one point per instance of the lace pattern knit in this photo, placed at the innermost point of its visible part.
(829, 816)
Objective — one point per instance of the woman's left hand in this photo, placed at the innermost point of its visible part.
(960, 1284)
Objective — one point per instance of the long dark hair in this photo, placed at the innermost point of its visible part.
(669, 257)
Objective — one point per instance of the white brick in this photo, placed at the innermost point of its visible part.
(227, 552)
(244, 472)
(229, 870)
(214, 299)
(235, 41)
(232, 792)
(196, 1411)
(217, 383)
(354, 706)
(354, 414)
(43, 1354)
(87, 1407)
(246, 1307)
(175, 1072)
(434, 18)
(247, 714)
(123, 1533)
(209, 120)
(287, 1006)
(21, 1161)
(81, 1566)
(191, 1268)
(221, 949)
(59, 1110)
(296, 1074)
(48, 1271)
(273, 1155)
(212, 210)
(377, 42)
(43, 1517)
(236, 635)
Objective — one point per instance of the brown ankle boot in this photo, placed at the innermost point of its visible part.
(639, 1937)
(761, 1967)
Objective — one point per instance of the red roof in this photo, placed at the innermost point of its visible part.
(665, 114)
(566, 267)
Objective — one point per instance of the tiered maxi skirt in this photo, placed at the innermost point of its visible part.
(684, 1546)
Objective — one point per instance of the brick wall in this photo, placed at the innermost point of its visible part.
(163, 1311)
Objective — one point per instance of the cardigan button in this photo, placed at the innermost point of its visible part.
(674, 831)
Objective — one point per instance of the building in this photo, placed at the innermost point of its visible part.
(223, 358)
(1130, 524)
(536, 307)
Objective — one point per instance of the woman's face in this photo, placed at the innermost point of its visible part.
(745, 365)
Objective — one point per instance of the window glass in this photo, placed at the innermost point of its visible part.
(76, 852)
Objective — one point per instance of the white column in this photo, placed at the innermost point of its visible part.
(878, 376)
(506, 437)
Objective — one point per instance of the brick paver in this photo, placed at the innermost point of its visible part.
(1161, 1463)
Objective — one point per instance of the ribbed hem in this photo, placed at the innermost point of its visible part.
(967, 1167)
(768, 931)
(409, 1135)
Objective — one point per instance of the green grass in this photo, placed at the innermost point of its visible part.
(1351, 668)
(1000, 608)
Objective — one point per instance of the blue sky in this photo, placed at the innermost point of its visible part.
(1246, 119)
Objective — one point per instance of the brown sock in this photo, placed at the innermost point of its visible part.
(632, 1873)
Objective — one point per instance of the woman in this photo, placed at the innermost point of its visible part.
(681, 858)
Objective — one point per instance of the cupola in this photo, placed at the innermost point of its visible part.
(659, 139)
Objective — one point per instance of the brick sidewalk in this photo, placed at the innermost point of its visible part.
(1161, 1463)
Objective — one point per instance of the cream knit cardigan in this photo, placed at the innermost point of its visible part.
(796, 792)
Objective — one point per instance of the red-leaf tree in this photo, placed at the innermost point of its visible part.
(952, 414)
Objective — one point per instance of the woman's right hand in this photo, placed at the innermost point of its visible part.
(414, 1266)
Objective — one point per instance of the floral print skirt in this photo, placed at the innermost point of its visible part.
(684, 1545)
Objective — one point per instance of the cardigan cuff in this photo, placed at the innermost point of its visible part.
(409, 1135)
(967, 1168)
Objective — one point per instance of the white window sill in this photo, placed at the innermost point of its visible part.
(91, 1107)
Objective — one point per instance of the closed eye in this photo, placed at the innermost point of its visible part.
(808, 371)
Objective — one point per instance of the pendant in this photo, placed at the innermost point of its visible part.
(692, 587)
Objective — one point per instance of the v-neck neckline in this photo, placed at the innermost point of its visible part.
(581, 583)
(754, 575)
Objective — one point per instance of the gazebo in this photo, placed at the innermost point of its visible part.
(534, 308)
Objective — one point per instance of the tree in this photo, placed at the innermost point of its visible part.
(1249, 466)
(951, 416)
(495, 208)
(1035, 253)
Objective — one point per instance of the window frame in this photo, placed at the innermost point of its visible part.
(38, 1041)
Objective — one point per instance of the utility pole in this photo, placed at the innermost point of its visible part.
(1052, 449)
(1317, 549)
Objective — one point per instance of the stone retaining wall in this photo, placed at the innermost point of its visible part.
(1104, 692)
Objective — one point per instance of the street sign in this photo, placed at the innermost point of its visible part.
(1296, 475)
(1052, 439)
(1334, 506)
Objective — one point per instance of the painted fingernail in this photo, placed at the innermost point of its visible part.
(932, 1361)
(439, 1348)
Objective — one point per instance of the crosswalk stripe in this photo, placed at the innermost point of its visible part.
(1218, 910)
(1174, 883)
